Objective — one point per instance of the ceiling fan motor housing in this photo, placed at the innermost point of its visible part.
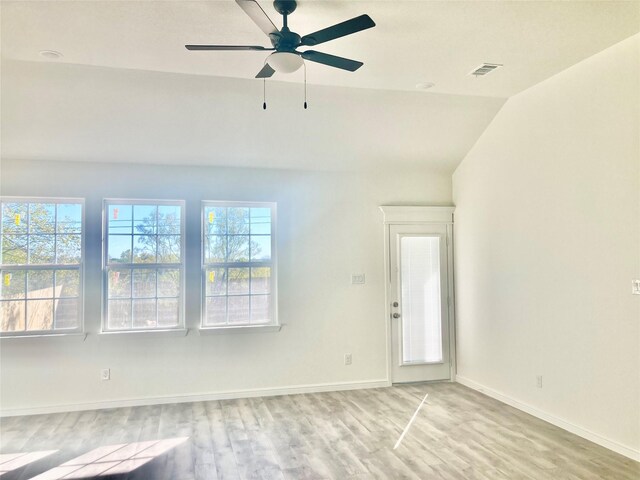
(285, 40)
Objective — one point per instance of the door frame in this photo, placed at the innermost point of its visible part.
(419, 215)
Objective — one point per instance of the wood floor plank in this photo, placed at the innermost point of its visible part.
(349, 435)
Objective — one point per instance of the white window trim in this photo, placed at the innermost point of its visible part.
(268, 327)
(81, 336)
(274, 325)
(146, 333)
(79, 331)
(181, 327)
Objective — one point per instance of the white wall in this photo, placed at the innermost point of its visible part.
(79, 113)
(547, 243)
(328, 224)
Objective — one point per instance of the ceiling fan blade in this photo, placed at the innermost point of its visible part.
(227, 47)
(354, 25)
(266, 71)
(332, 60)
(258, 15)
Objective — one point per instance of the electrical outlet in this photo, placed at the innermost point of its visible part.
(105, 374)
(539, 381)
(635, 289)
(348, 359)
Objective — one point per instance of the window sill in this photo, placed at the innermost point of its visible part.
(242, 329)
(75, 335)
(183, 332)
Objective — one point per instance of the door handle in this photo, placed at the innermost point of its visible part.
(396, 315)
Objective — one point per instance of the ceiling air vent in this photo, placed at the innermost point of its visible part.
(484, 69)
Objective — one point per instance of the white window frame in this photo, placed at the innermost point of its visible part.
(156, 266)
(54, 266)
(274, 324)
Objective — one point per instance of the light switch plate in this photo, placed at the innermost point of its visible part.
(635, 289)
(357, 278)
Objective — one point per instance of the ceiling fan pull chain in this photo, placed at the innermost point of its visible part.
(305, 85)
(264, 93)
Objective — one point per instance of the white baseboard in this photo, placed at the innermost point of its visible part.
(547, 417)
(136, 402)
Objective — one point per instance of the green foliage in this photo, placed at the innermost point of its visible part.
(37, 222)
(227, 236)
(158, 233)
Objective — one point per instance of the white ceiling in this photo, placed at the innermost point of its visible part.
(414, 41)
(126, 89)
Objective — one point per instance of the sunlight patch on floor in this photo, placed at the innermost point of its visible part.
(111, 459)
(13, 461)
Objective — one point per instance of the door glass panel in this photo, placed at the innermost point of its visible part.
(420, 299)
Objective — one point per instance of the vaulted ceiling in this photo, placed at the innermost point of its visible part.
(107, 47)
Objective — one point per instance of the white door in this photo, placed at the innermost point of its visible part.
(419, 297)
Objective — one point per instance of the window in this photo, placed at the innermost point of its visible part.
(41, 263)
(238, 264)
(143, 265)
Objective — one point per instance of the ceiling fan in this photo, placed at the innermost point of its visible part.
(285, 58)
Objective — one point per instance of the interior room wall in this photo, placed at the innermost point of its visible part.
(329, 227)
(547, 229)
(73, 112)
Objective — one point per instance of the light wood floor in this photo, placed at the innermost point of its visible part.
(459, 434)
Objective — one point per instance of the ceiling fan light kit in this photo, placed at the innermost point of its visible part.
(285, 57)
(284, 62)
